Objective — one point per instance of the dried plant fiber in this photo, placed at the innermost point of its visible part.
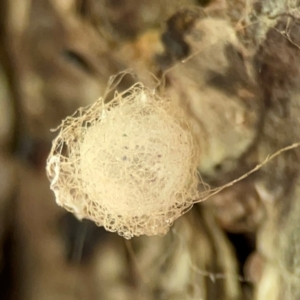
(128, 165)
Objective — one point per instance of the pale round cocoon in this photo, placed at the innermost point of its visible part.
(128, 165)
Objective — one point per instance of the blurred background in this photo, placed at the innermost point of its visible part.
(56, 56)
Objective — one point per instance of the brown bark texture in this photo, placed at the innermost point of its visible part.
(233, 66)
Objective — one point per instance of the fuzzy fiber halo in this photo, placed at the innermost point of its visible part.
(128, 165)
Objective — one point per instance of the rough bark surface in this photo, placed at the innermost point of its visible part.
(234, 68)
